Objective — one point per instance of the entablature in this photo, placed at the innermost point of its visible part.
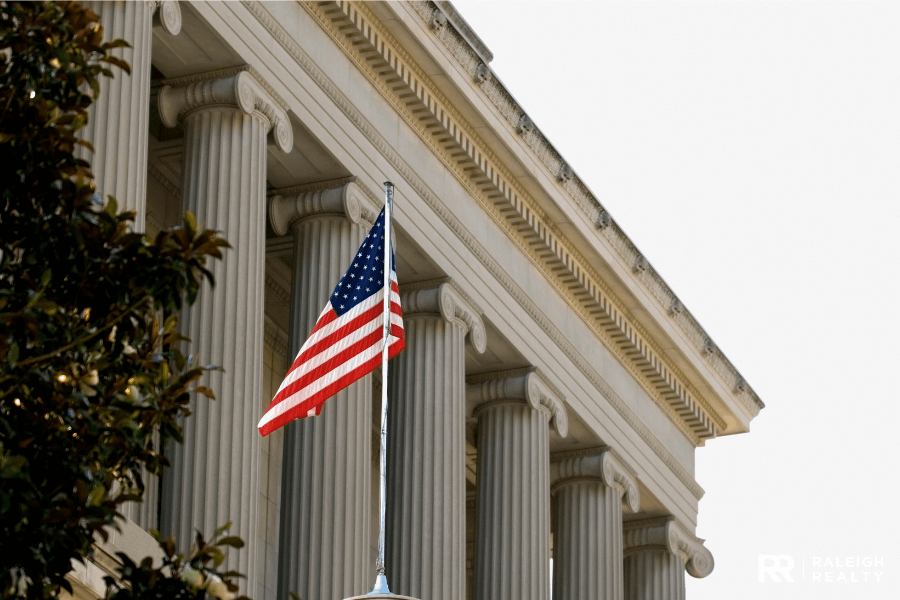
(397, 76)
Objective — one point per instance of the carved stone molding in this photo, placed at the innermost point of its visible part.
(525, 124)
(664, 533)
(481, 73)
(640, 264)
(565, 174)
(438, 20)
(600, 464)
(528, 387)
(445, 300)
(603, 220)
(167, 14)
(159, 177)
(242, 89)
(349, 199)
(276, 339)
(676, 306)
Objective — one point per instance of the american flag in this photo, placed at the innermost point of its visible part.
(346, 342)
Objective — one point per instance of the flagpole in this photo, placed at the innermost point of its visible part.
(381, 584)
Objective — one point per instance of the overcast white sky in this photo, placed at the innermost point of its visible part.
(751, 150)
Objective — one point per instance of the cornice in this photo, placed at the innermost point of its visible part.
(491, 183)
(379, 143)
(468, 58)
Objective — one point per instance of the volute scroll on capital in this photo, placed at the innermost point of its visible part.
(600, 464)
(228, 87)
(666, 534)
(167, 14)
(287, 209)
(528, 387)
(446, 301)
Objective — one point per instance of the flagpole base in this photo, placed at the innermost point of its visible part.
(381, 590)
(376, 596)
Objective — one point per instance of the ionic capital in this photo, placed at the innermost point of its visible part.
(238, 87)
(665, 533)
(167, 14)
(599, 464)
(288, 207)
(445, 300)
(526, 386)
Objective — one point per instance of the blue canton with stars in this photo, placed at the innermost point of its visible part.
(366, 274)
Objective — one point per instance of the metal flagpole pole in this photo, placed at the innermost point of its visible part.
(381, 584)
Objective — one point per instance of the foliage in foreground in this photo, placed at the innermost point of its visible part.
(91, 378)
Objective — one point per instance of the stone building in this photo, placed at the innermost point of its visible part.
(554, 390)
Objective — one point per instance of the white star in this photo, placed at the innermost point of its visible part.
(345, 295)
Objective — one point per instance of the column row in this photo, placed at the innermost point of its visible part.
(324, 550)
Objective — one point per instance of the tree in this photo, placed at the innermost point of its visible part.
(90, 365)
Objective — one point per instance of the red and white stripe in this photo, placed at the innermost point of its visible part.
(339, 351)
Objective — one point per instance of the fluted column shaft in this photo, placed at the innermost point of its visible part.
(589, 486)
(119, 119)
(214, 474)
(588, 542)
(426, 482)
(117, 127)
(654, 574)
(325, 500)
(513, 502)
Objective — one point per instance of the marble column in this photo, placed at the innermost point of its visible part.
(119, 119)
(425, 550)
(118, 129)
(214, 475)
(657, 552)
(589, 486)
(512, 552)
(325, 494)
